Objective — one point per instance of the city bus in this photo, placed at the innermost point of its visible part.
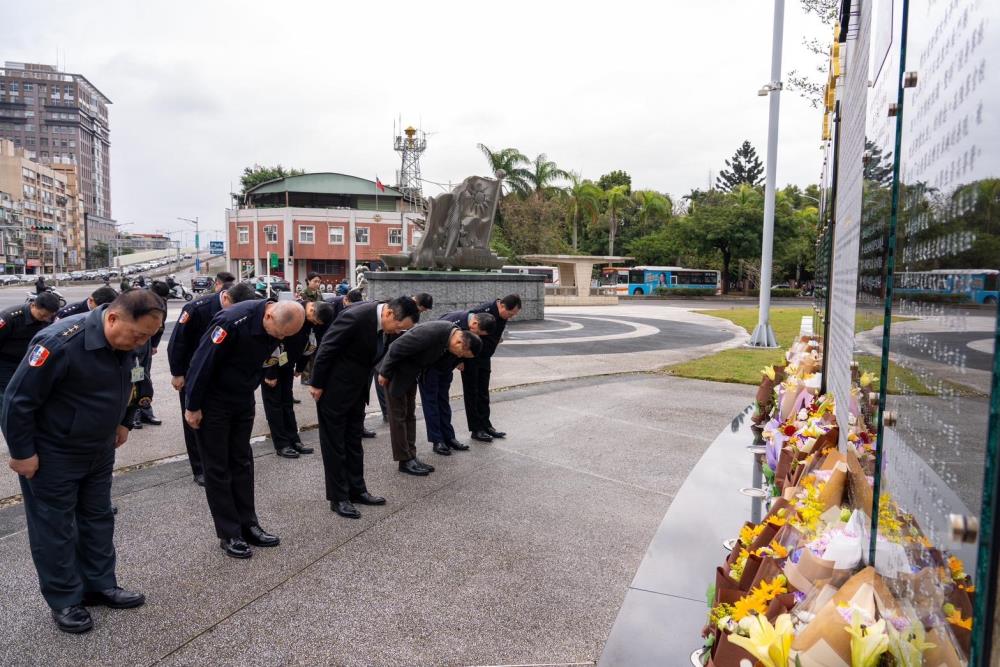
(551, 273)
(964, 285)
(643, 280)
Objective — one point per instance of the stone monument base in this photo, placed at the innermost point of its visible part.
(458, 290)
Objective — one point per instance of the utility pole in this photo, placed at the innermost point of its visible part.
(197, 243)
(763, 335)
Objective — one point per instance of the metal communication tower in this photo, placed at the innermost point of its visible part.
(410, 145)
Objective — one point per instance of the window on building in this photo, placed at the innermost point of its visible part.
(29, 87)
(396, 236)
(361, 235)
(307, 234)
(243, 235)
(270, 233)
(336, 235)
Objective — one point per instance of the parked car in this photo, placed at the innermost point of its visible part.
(277, 284)
(201, 284)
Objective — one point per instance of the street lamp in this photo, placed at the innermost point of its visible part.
(763, 335)
(197, 242)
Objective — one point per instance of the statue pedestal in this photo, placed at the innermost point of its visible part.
(458, 290)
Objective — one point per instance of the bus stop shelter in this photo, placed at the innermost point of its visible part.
(575, 273)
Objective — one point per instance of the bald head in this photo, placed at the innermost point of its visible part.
(284, 318)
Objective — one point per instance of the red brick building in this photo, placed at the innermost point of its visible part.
(324, 222)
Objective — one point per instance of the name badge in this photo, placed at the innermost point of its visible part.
(138, 374)
(283, 358)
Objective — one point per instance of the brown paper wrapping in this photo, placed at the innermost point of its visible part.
(776, 506)
(765, 400)
(727, 654)
(860, 495)
(749, 572)
(765, 537)
(832, 493)
(792, 390)
(723, 581)
(785, 458)
(944, 653)
(808, 571)
(782, 604)
(825, 634)
(768, 570)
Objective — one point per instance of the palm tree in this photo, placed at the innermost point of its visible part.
(511, 161)
(584, 199)
(543, 174)
(617, 197)
(651, 204)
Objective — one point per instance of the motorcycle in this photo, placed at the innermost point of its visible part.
(31, 296)
(180, 292)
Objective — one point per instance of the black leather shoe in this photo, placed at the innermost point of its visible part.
(495, 433)
(147, 417)
(411, 467)
(345, 509)
(259, 537)
(365, 433)
(199, 479)
(74, 619)
(420, 463)
(456, 445)
(236, 547)
(367, 499)
(137, 421)
(482, 436)
(301, 449)
(114, 509)
(287, 453)
(442, 449)
(296, 401)
(115, 598)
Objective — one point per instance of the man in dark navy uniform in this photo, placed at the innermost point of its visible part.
(340, 385)
(435, 384)
(410, 355)
(18, 325)
(289, 361)
(98, 297)
(68, 408)
(191, 325)
(225, 371)
(476, 372)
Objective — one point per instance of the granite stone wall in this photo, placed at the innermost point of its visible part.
(458, 290)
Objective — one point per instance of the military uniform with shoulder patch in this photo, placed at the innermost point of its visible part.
(64, 404)
(17, 328)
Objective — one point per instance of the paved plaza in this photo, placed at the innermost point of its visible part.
(516, 552)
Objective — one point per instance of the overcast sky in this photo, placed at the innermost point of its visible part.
(664, 90)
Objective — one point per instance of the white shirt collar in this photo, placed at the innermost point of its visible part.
(378, 317)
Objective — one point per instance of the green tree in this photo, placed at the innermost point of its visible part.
(614, 179)
(651, 208)
(543, 173)
(534, 225)
(583, 200)
(617, 198)
(512, 162)
(745, 168)
(257, 174)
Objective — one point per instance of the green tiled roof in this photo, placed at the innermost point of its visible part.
(324, 183)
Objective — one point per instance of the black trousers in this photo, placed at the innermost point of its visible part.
(476, 393)
(383, 404)
(434, 388)
(228, 461)
(70, 524)
(191, 441)
(279, 408)
(403, 423)
(341, 419)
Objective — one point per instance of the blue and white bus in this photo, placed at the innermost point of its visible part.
(964, 285)
(643, 280)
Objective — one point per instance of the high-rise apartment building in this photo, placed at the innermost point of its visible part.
(60, 118)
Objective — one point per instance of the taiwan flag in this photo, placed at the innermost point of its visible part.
(378, 184)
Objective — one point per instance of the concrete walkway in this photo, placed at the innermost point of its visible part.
(518, 552)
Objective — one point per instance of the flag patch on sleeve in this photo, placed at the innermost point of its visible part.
(3, 323)
(185, 315)
(218, 335)
(38, 355)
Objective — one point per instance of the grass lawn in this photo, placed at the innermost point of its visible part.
(743, 365)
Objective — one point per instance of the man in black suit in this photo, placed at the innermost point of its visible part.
(476, 372)
(435, 384)
(408, 356)
(352, 346)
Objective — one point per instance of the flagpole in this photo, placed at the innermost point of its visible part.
(376, 194)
